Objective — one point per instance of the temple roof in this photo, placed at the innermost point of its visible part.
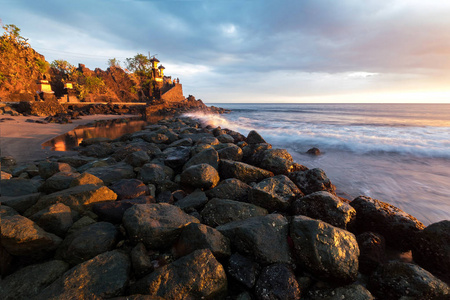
(154, 59)
(161, 67)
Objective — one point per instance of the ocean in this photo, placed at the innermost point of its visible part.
(396, 153)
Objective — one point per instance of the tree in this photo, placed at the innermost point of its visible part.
(113, 62)
(62, 66)
(139, 64)
(12, 33)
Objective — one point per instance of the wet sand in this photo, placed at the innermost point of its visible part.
(23, 140)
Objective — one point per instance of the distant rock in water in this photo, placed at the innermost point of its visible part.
(314, 151)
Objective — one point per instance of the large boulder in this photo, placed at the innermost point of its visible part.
(29, 281)
(372, 248)
(243, 270)
(129, 189)
(56, 219)
(112, 173)
(20, 203)
(207, 156)
(195, 276)
(230, 188)
(195, 200)
(278, 161)
(141, 261)
(277, 281)
(274, 193)
(254, 137)
(176, 157)
(199, 236)
(263, 238)
(221, 211)
(394, 224)
(78, 198)
(326, 207)
(352, 291)
(88, 242)
(86, 178)
(431, 249)
(76, 161)
(201, 176)
(97, 150)
(313, 180)
(153, 174)
(102, 277)
(156, 225)
(400, 280)
(18, 187)
(326, 251)
(112, 211)
(21, 236)
(50, 168)
(137, 159)
(242, 171)
(59, 181)
(230, 151)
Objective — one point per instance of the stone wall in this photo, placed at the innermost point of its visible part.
(175, 94)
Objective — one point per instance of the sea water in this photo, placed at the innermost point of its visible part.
(397, 153)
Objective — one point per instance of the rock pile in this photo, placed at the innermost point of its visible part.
(179, 211)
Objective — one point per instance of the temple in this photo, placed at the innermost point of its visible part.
(164, 87)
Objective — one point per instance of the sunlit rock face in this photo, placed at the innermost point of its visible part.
(326, 251)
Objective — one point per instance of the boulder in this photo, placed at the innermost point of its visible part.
(254, 138)
(21, 236)
(207, 156)
(199, 236)
(326, 251)
(231, 188)
(86, 178)
(135, 146)
(50, 168)
(372, 247)
(195, 276)
(29, 281)
(152, 173)
(129, 189)
(56, 219)
(112, 173)
(243, 269)
(156, 225)
(112, 211)
(20, 203)
(182, 142)
(137, 159)
(80, 223)
(18, 187)
(274, 193)
(59, 181)
(222, 211)
(76, 161)
(326, 207)
(395, 225)
(97, 150)
(396, 280)
(313, 180)
(225, 138)
(176, 157)
(201, 176)
(78, 198)
(140, 260)
(431, 249)
(250, 151)
(230, 152)
(277, 281)
(278, 161)
(263, 238)
(88, 242)
(5, 175)
(242, 171)
(102, 277)
(353, 291)
(6, 211)
(195, 200)
(313, 151)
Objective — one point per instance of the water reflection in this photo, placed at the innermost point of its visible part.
(108, 128)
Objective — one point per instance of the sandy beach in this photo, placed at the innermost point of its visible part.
(23, 140)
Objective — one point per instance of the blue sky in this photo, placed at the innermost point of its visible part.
(258, 51)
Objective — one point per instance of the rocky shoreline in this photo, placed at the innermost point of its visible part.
(182, 211)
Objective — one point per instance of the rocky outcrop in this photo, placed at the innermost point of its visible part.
(314, 180)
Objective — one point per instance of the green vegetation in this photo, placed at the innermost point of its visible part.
(114, 62)
(42, 65)
(12, 34)
(140, 65)
(89, 85)
(63, 67)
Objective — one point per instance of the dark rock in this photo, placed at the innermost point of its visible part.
(250, 151)
(8, 161)
(88, 242)
(98, 150)
(156, 225)
(196, 276)
(152, 173)
(176, 157)
(278, 161)
(274, 193)
(313, 180)
(150, 149)
(231, 188)
(263, 238)
(140, 260)
(6, 211)
(165, 197)
(56, 219)
(137, 159)
(230, 152)
(104, 276)
(195, 200)
(18, 187)
(222, 211)
(113, 173)
(353, 291)
(78, 198)
(397, 227)
(254, 138)
(431, 249)
(20, 203)
(202, 176)
(326, 207)
(137, 297)
(242, 171)
(21, 236)
(96, 140)
(207, 156)
(326, 251)
(182, 142)
(59, 181)
(199, 236)
(225, 138)
(112, 211)
(76, 161)
(86, 178)
(373, 251)
(50, 168)
(313, 151)
(396, 280)
(277, 281)
(237, 136)
(243, 269)
(29, 281)
(80, 223)
(129, 189)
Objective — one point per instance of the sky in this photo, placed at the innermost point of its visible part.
(228, 51)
